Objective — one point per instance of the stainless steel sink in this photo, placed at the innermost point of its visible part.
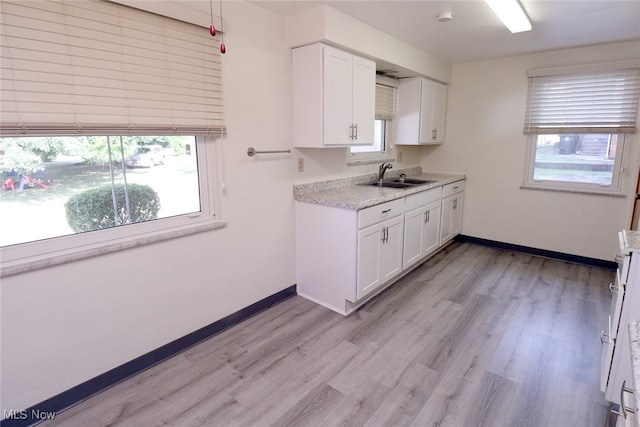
(400, 183)
(390, 184)
(412, 181)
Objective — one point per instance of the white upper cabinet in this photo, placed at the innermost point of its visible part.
(421, 111)
(333, 97)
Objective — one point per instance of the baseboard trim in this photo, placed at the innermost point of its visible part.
(561, 256)
(89, 388)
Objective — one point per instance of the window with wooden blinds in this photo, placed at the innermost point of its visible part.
(604, 101)
(385, 102)
(98, 68)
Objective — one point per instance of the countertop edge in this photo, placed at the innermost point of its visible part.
(349, 195)
(629, 241)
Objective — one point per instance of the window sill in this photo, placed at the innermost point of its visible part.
(369, 161)
(573, 190)
(34, 263)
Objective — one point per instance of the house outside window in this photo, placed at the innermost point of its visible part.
(60, 186)
(97, 97)
(577, 125)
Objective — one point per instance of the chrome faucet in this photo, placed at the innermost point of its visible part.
(383, 168)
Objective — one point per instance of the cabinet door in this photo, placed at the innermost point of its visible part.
(451, 217)
(407, 121)
(421, 233)
(379, 254)
(364, 100)
(439, 109)
(391, 249)
(445, 221)
(368, 271)
(421, 112)
(456, 215)
(431, 231)
(608, 345)
(337, 96)
(426, 112)
(413, 240)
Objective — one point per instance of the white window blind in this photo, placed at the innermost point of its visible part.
(385, 102)
(593, 102)
(97, 68)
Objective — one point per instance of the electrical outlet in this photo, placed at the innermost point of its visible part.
(301, 164)
(399, 156)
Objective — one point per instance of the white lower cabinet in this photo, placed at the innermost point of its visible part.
(379, 254)
(452, 202)
(617, 379)
(421, 225)
(344, 257)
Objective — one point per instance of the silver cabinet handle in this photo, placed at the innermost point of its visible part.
(386, 211)
(455, 204)
(624, 408)
(604, 339)
(356, 136)
(385, 234)
(434, 133)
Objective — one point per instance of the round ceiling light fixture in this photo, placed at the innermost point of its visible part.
(445, 16)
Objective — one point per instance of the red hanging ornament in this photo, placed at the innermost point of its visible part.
(223, 48)
(212, 28)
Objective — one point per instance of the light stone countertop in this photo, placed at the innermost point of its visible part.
(630, 241)
(634, 341)
(348, 194)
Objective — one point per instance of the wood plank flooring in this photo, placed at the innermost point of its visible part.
(476, 336)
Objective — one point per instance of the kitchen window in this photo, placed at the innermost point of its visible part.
(380, 150)
(98, 95)
(577, 124)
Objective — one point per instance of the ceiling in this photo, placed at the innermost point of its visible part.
(475, 32)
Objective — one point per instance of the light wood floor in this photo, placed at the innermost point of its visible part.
(474, 337)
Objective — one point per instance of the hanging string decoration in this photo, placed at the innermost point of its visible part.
(212, 28)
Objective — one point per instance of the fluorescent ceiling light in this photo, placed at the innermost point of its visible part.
(511, 14)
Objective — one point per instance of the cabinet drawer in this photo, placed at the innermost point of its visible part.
(453, 188)
(374, 214)
(423, 198)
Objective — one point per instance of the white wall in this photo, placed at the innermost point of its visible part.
(325, 24)
(66, 324)
(485, 141)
